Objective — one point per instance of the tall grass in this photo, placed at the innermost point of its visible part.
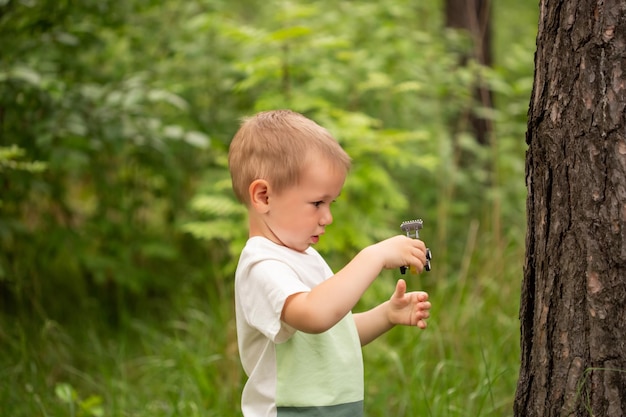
(185, 366)
(464, 364)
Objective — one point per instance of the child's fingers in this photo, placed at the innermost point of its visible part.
(422, 296)
(400, 289)
(421, 310)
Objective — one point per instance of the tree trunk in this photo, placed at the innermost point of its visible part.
(573, 315)
(474, 16)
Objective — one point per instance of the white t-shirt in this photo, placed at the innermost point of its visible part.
(292, 372)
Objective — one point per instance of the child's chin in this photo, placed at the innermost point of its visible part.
(300, 247)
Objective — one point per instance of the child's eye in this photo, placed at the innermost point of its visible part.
(319, 203)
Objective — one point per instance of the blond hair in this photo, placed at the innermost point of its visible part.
(274, 145)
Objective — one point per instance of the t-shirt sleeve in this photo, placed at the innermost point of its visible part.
(263, 293)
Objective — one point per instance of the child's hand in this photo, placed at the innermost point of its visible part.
(409, 309)
(400, 251)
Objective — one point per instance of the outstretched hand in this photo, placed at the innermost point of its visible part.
(409, 309)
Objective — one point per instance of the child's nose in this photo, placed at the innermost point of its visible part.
(326, 219)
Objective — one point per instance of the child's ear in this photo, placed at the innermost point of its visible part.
(259, 195)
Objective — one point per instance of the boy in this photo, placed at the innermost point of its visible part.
(299, 343)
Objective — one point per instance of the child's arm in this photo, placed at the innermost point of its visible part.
(321, 308)
(409, 309)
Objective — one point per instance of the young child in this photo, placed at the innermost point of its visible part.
(299, 343)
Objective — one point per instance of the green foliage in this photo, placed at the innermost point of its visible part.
(10, 160)
(77, 407)
(119, 233)
(118, 171)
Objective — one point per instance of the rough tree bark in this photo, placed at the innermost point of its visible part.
(573, 315)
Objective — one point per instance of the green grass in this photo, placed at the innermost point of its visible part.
(465, 363)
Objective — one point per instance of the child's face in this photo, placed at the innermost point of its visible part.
(297, 216)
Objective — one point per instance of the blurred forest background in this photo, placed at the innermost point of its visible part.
(119, 233)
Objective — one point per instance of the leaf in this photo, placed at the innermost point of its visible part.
(167, 97)
(27, 75)
(376, 81)
(65, 393)
(173, 132)
(197, 139)
(290, 33)
(92, 405)
(66, 39)
(216, 205)
(408, 87)
(8, 160)
(212, 230)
